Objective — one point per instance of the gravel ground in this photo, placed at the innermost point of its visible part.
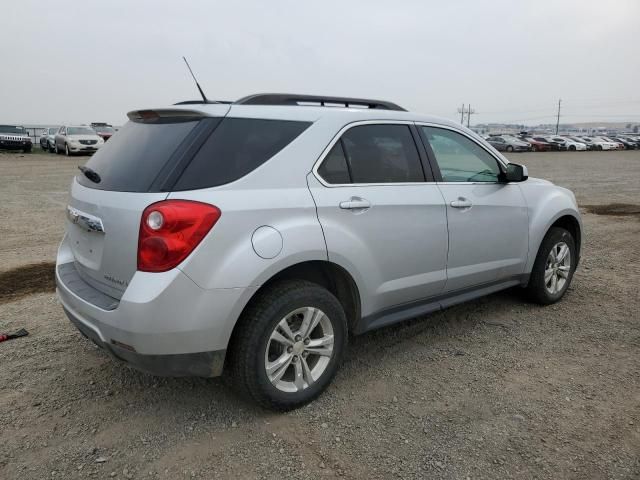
(496, 388)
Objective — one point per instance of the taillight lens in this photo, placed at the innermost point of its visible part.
(170, 230)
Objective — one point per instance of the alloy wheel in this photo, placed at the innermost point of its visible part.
(557, 268)
(299, 349)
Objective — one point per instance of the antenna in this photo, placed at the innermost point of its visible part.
(195, 80)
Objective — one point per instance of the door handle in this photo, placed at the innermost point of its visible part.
(355, 203)
(461, 203)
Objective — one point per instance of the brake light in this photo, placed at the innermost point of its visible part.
(170, 230)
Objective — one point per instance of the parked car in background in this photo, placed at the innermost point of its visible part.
(594, 144)
(628, 143)
(14, 137)
(537, 145)
(508, 143)
(605, 143)
(104, 130)
(555, 146)
(589, 145)
(635, 140)
(571, 144)
(258, 236)
(48, 138)
(618, 145)
(72, 139)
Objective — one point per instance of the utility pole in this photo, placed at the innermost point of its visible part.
(469, 112)
(461, 112)
(558, 120)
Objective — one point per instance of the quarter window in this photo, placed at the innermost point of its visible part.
(235, 148)
(459, 158)
(374, 154)
(334, 168)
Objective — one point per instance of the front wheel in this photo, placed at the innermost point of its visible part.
(554, 267)
(288, 345)
(509, 148)
(66, 150)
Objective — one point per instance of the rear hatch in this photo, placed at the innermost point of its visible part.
(133, 170)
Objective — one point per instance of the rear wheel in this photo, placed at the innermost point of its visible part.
(554, 267)
(288, 345)
(509, 148)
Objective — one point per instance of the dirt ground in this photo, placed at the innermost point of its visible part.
(496, 388)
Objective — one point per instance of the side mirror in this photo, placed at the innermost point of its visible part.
(516, 173)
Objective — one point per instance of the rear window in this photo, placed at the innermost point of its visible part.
(236, 147)
(133, 157)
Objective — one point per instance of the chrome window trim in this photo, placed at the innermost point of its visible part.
(351, 125)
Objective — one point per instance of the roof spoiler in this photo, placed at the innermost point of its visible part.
(164, 115)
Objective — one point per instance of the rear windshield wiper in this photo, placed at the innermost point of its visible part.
(90, 174)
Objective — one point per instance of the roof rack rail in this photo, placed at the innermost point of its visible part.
(202, 102)
(294, 99)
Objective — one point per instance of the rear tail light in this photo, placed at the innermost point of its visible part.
(170, 230)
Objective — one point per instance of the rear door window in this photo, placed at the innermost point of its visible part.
(135, 155)
(382, 153)
(235, 148)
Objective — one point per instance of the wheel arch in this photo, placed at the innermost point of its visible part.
(568, 220)
(329, 275)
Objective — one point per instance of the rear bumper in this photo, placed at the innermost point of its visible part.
(201, 364)
(164, 323)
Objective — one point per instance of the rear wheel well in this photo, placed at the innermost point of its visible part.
(570, 223)
(326, 274)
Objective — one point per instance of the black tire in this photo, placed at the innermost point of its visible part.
(537, 290)
(27, 150)
(572, 148)
(509, 148)
(51, 149)
(251, 339)
(599, 148)
(66, 150)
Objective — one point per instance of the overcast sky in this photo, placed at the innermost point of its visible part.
(83, 61)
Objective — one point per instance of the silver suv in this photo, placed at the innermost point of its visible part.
(256, 236)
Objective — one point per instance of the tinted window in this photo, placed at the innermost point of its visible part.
(382, 154)
(133, 157)
(459, 158)
(334, 167)
(236, 147)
